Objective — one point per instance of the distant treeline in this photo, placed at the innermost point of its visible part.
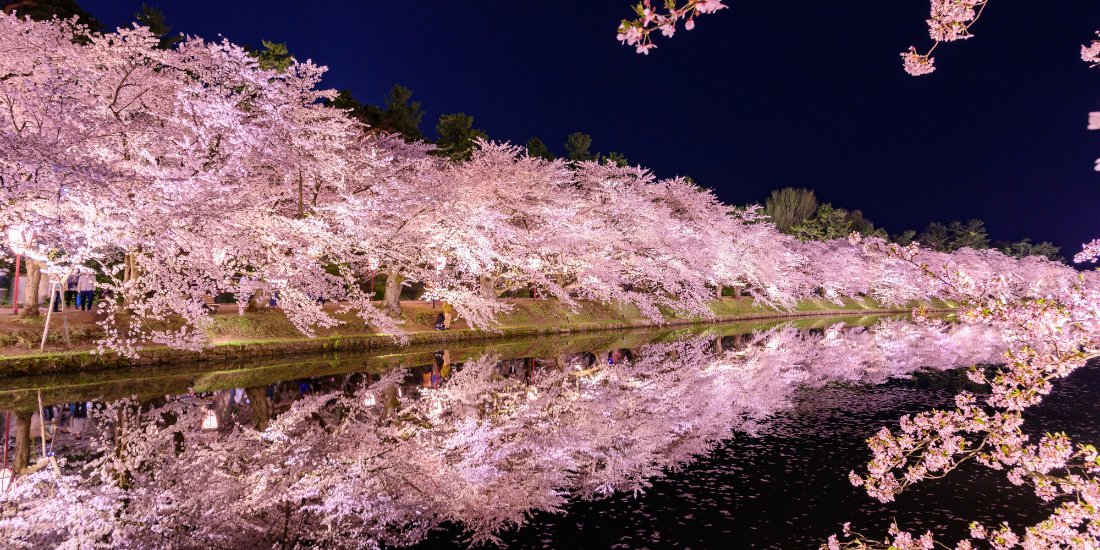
(455, 132)
(797, 212)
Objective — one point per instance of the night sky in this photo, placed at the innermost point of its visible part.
(763, 95)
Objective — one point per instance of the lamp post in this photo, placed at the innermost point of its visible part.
(18, 239)
(15, 287)
(6, 474)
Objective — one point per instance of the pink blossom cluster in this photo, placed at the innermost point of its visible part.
(637, 32)
(1090, 53)
(950, 20)
(916, 63)
(1090, 251)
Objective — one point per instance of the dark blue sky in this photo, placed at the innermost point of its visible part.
(766, 94)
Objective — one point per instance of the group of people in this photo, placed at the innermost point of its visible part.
(79, 290)
(67, 418)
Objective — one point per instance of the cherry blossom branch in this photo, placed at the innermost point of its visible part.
(638, 32)
(1051, 338)
(949, 20)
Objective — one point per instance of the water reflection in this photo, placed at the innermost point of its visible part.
(373, 458)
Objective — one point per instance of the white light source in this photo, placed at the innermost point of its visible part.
(19, 237)
(370, 400)
(210, 420)
(6, 475)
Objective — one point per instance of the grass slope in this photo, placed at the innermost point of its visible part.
(20, 336)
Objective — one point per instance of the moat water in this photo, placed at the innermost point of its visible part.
(737, 436)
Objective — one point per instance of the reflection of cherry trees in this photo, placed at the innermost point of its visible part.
(1046, 339)
(356, 463)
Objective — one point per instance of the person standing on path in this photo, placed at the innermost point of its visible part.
(70, 290)
(86, 290)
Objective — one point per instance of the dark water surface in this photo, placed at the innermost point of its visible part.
(770, 474)
(787, 487)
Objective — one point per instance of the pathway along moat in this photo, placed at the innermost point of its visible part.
(733, 437)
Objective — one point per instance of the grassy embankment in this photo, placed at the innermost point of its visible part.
(19, 390)
(20, 336)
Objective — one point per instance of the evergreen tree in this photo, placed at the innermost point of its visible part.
(865, 226)
(936, 237)
(613, 158)
(905, 238)
(154, 19)
(401, 115)
(346, 101)
(44, 10)
(578, 147)
(536, 148)
(826, 224)
(456, 136)
(274, 56)
(971, 234)
(1025, 247)
(789, 207)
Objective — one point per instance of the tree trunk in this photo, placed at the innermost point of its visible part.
(22, 458)
(487, 289)
(34, 280)
(127, 422)
(392, 298)
(257, 300)
(130, 273)
(718, 291)
(390, 404)
(261, 407)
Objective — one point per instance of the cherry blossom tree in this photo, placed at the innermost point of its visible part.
(210, 174)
